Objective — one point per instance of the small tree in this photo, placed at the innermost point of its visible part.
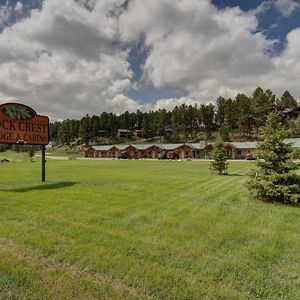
(219, 156)
(275, 178)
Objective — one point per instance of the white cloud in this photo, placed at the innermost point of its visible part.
(18, 7)
(170, 103)
(71, 57)
(66, 60)
(196, 47)
(287, 67)
(121, 103)
(262, 7)
(207, 51)
(5, 13)
(286, 7)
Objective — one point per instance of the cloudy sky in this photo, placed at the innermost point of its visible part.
(72, 57)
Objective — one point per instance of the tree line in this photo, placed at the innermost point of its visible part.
(242, 115)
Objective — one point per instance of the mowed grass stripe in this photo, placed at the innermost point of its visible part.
(38, 272)
(166, 230)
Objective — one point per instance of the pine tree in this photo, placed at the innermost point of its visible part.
(275, 178)
(224, 134)
(264, 103)
(85, 129)
(219, 156)
(286, 101)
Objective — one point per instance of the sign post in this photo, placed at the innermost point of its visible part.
(20, 124)
(43, 163)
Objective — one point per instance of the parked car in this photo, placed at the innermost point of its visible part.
(162, 155)
(124, 155)
(250, 156)
(172, 155)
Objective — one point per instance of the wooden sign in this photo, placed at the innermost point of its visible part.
(20, 124)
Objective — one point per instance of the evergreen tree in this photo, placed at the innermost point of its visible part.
(224, 134)
(229, 114)
(64, 132)
(286, 101)
(175, 119)
(139, 119)
(264, 103)
(275, 178)
(244, 114)
(219, 164)
(145, 124)
(53, 130)
(95, 124)
(112, 124)
(85, 129)
(220, 111)
(161, 121)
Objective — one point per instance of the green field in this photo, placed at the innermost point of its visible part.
(142, 230)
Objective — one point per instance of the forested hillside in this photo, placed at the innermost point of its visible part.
(237, 118)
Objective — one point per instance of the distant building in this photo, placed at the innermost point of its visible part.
(168, 131)
(123, 133)
(235, 150)
(137, 133)
(103, 133)
(239, 150)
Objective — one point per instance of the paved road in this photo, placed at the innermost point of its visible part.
(55, 157)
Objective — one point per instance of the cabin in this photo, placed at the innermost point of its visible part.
(206, 151)
(137, 133)
(152, 151)
(240, 150)
(103, 133)
(90, 152)
(185, 151)
(292, 113)
(123, 133)
(132, 150)
(201, 150)
(112, 152)
(98, 151)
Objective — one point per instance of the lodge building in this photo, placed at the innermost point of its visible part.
(235, 150)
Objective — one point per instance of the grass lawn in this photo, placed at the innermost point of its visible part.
(65, 151)
(142, 230)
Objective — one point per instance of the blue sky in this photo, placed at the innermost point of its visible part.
(66, 60)
(271, 22)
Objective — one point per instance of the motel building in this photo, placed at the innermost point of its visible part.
(186, 150)
(202, 150)
(239, 150)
